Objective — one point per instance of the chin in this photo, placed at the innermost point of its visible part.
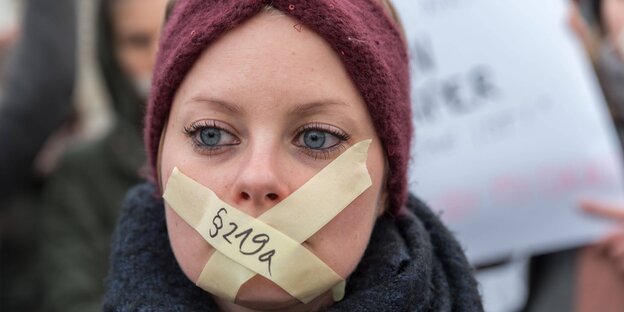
(260, 293)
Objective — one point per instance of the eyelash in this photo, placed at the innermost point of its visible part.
(324, 153)
(193, 130)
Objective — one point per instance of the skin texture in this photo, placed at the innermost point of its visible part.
(266, 83)
(136, 28)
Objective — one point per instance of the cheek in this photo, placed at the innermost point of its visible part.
(342, 242)
(190, 249)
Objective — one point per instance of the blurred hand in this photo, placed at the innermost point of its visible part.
(612, 246)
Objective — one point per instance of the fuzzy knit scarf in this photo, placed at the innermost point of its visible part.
(412, 263)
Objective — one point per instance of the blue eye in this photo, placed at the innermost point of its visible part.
(210, 136)
(318, 137)
(314, 139)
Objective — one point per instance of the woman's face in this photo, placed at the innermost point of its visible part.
(136, 28)
(263, 110)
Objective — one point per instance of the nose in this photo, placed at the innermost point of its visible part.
(260, 184)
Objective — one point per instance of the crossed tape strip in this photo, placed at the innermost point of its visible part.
(276, 251)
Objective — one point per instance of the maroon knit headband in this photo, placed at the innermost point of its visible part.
(368, 42)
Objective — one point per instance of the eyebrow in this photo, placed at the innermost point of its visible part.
(315, 107)
(299, 110)
(230, 107)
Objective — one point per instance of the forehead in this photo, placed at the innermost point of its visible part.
(270, 59)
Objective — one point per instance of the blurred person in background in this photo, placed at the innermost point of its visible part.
(609, 17)
(39, 64)
(84, 194)
(38, 87)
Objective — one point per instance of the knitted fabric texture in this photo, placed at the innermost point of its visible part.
(370, 45)
(412, 263)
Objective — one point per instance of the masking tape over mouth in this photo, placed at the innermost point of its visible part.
(270, 245)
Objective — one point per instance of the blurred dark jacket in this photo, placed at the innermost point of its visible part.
(36, 100)
(84, 195)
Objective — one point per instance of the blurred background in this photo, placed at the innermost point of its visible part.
(91, 97)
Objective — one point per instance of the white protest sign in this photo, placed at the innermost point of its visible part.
(511, 130)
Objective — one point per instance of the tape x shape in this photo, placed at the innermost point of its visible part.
(270, 245)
